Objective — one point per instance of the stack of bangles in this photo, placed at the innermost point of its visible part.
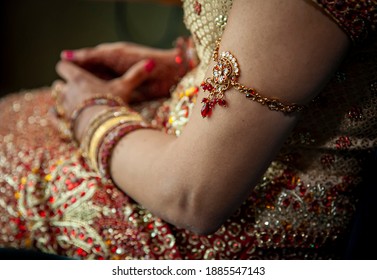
(105, 130)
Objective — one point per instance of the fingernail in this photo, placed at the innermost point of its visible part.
(68, 55)
(178, 59)
(149, 66)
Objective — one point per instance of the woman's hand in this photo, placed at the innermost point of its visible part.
(110, 61)
(81, 85)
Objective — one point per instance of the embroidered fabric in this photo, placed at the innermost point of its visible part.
(51, 201)
(357, 18)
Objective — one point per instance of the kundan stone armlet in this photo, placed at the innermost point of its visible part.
(225, 75)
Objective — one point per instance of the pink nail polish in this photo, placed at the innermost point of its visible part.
(68, 55)
(149, 66)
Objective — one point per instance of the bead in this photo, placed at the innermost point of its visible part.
(343, 142)
(206, 110)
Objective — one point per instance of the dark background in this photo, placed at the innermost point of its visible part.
(34, 32)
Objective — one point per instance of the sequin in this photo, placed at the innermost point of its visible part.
(355, 113)
(221, 21)
(343, 142)
(355, 17)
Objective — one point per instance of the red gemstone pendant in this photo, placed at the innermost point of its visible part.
(206, 108)
(222, 102)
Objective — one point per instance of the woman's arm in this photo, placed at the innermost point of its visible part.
(286, 50)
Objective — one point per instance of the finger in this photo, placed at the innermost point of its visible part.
(67, 55)
(79, 56)
(57, 93)
(56, 88)
(137, 74)
(71, 72)
(88, 55)
(57, 84)
(53, 117)
(62, 127)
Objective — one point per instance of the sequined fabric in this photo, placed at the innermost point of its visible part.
(51, 201)
(357, 18)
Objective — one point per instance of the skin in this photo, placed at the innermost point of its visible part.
(287, 50)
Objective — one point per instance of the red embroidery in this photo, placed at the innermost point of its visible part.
(197, 8)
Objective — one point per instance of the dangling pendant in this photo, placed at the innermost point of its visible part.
(225, 73)
(206, 108)
(209, 104)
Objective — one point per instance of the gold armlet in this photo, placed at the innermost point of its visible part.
(225, 75)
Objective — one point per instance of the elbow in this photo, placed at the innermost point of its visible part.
(201, 203)
(200, 211)
(205, 227)
(200, 223)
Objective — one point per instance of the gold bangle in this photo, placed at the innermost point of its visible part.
(102, 130)
(106, 114)
(225, 75)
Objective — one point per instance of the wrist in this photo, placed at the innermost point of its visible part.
(93, 102)
(83, 120)
(99, 129)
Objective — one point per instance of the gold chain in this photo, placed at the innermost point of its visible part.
(271, 103)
